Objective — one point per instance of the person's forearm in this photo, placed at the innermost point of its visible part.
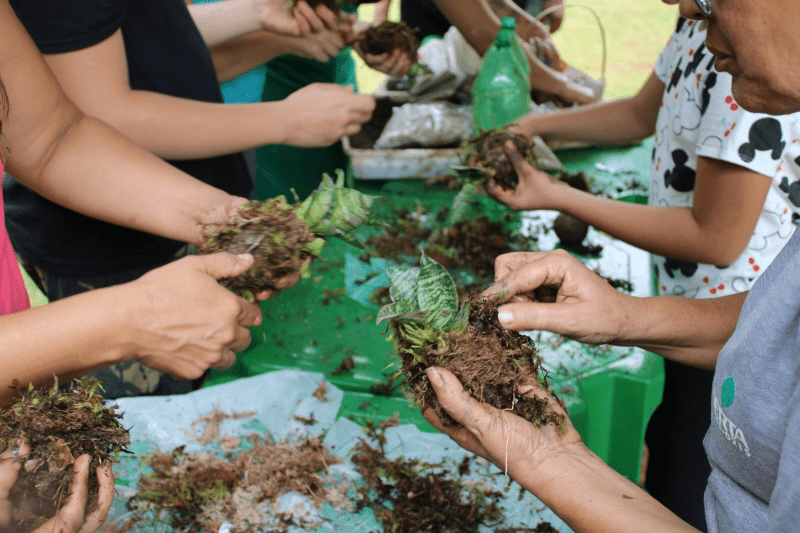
(592, 498)
(220, 22)
(617, 121)
(247, 52)
(686, 330)
(644, 226)
(146, 193)
(177, 128)
(46, 341)
(608, 122)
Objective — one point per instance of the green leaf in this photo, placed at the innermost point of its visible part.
(461, 203)
(466, 174)
(314, 208)
(403, 285)
(436, 293)
(461, 319)
(401, 312)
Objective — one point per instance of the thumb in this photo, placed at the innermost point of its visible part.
(458, 403)
(519, 162)
(225, 265)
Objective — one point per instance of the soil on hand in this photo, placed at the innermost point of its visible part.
(59, 425)
(408, 496)
(389, 36)
(272, 233)
(488, 151)
(491, 362)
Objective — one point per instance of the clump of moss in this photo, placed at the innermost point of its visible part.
(283, 237)
(487, 153)
(389, 36)
(60, 425)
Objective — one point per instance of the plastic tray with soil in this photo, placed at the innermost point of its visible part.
(283, 238)
(60, 425)
(431, 328)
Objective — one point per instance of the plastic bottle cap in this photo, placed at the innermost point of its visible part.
(508, 23)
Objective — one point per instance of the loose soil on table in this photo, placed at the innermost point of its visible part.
(201, 490)
(470, 246)
(59, 425)
(490, 361)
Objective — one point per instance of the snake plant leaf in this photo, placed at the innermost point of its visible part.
(400, 312)
(461, 203)
(461, 319)
(403, 285)
(314, 209)
(467, 174)
(436, 294)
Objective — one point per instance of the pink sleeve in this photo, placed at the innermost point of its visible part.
(13, 295)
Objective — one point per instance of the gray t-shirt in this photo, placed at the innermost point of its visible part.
(754, 440)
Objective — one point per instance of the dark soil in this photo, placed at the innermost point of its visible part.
(371, 129)
(490, 361)
(272, 233)
(470, 246)
(389, 36)
(571, 231)
(488, 150)
(59, 425)
(409, 496)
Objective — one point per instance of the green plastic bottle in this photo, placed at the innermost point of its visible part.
(501, 91)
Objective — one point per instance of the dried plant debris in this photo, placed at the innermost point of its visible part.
(202, 491)
(212, 421)
(431, 328)
(389, 36)
(282, 237)
(409, 496)
(60, 425)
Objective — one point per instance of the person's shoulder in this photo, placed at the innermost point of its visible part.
(58, 27)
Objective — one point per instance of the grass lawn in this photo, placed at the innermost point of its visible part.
(636, 30)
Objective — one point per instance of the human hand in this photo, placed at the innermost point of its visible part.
(395, 63)
(535, 188)
(554, 19)
(580, 305)
(321, 45)
(299, 20)
(71, 518)
(181, 321)
(513, 444)
(322, 113)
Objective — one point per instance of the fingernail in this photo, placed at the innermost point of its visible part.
(434, 377)
(505, 318)
(245, 257)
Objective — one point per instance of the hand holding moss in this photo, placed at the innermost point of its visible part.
(511, 443)
(284, 238)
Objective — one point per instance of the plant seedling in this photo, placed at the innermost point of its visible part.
(431, 328)
(284, 238)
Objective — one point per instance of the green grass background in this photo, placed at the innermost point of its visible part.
(636, 30)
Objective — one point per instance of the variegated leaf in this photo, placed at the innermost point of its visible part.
(436, 290)
(461, 203)
(403, 285)
(314, 209)
(401, 312)
(461, 319)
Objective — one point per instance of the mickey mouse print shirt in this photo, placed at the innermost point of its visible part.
(699, 117)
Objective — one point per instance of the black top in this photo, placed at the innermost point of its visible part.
(166, 54)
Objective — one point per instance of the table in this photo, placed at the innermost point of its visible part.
(610, 392)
